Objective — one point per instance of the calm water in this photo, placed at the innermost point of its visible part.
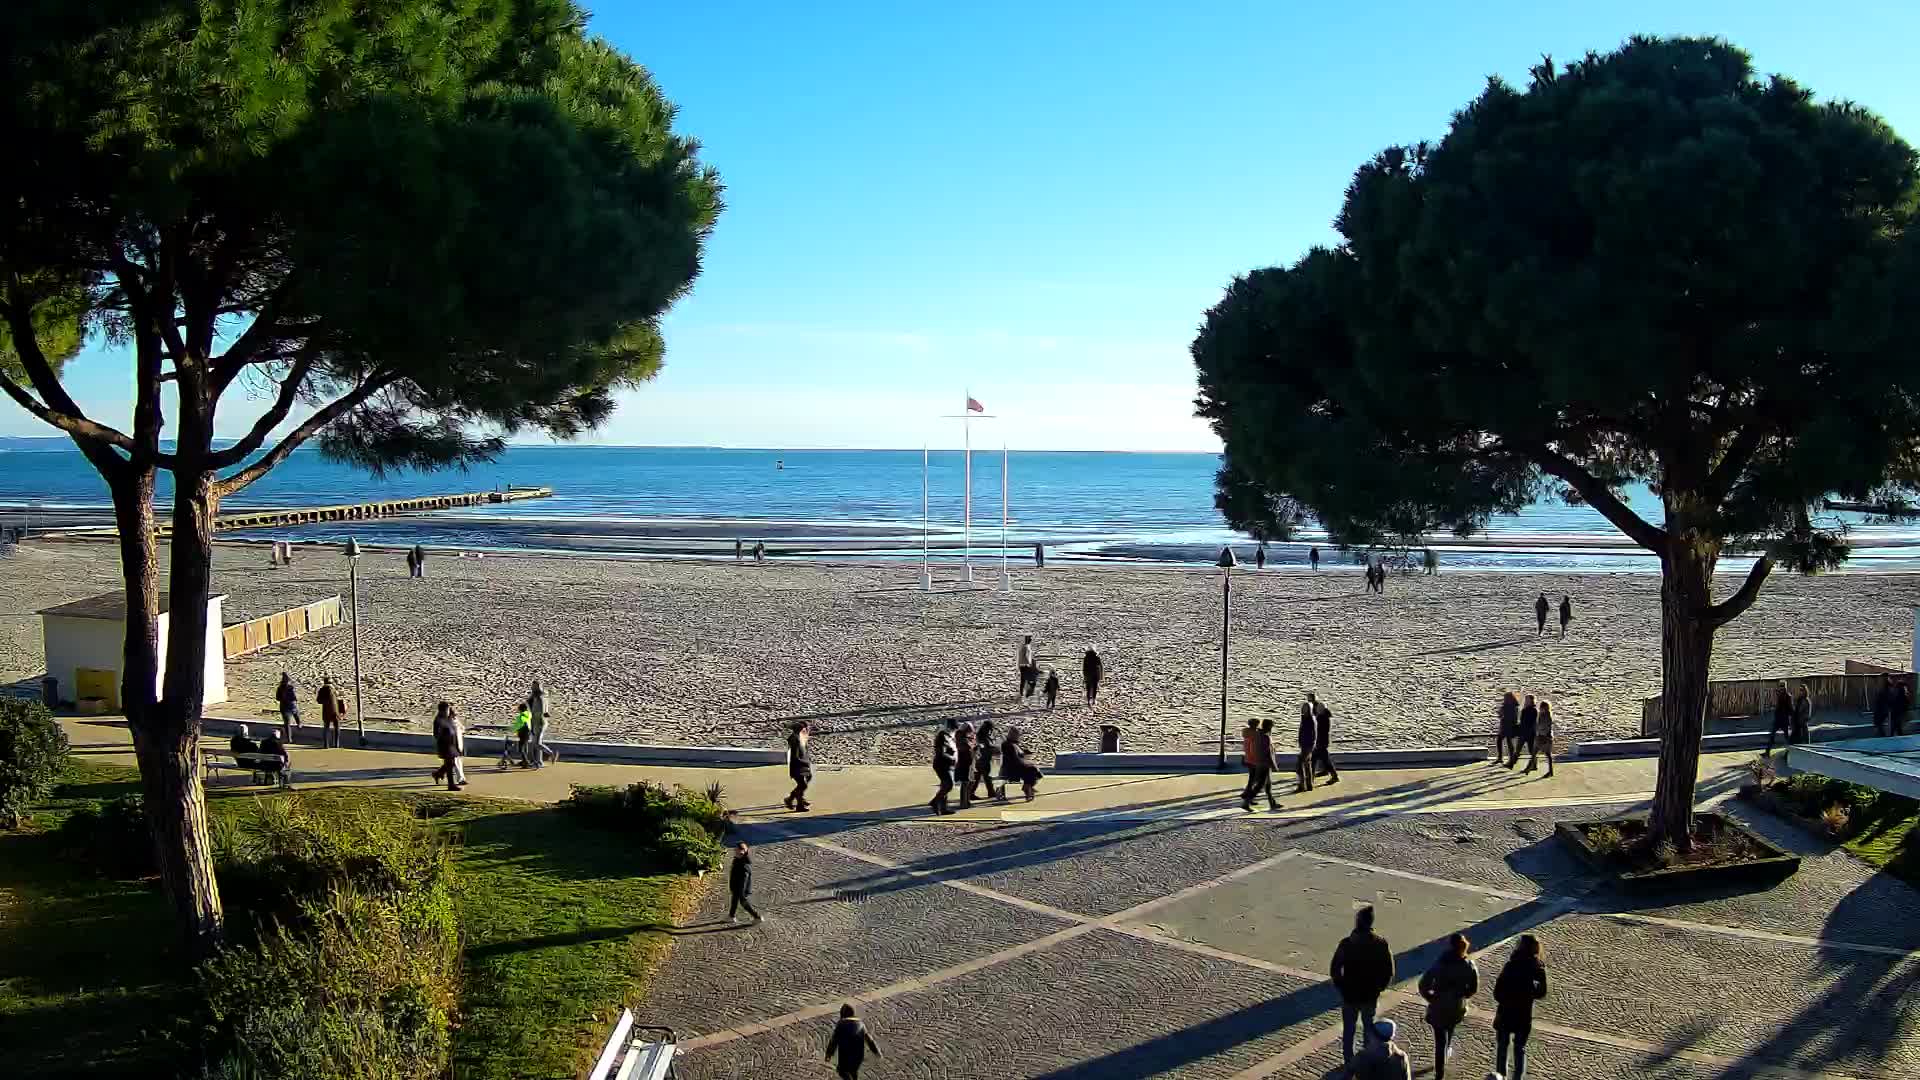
(849, 503)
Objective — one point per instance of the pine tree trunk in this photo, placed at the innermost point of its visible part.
(176, 802)
(1686, 656)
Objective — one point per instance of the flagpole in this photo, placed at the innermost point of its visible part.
(926, 568)
(1006, 579)
(966, 520)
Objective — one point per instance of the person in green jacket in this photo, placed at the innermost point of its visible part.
(515, 746)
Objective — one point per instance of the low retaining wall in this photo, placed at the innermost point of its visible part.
(487, 745)
(1711, 744)
(1418, 757)
(1754, 697)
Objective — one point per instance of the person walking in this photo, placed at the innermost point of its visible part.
(1313, 556)
(963, 762)
(1447, 986)
(1508, 729)
(1362, 971)
(1524, 734)
(944, 757)
(1782, 715)
(1015, 766)
(513, 749)
(1260, 557)
(740, 883)
(1382, 1059)
(1052, 689)
(449, 741)
(1039, 556)
(1303, 761)
(1029, 674)
(759, 552)
(1566, 614)
(419, 561)
(1802, 714)
(799, 766)
(1542, 739)
(539, 752)
(1091, 669)
(1521, 983)
(984, 754)
(413, 567)
(850, 1041)
(1883, 706)
(1256, 749)
(1323, 740)
(330, 709)
(289, 699)
(1540, 609)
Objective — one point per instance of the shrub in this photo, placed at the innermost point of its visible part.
(1762, 770)
(352, 970)
(717, 795)
(1835, 819)
(1807, 791)
(32, 751)
(110, 837)
(1665, 854)
(1606, 840)
(367, 992)
(681, 827)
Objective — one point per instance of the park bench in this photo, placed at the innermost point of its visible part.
(217, 761)
(635, 1052)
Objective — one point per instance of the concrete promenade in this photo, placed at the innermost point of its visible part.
(1126, 926)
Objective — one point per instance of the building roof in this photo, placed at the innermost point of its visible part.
(107, 607)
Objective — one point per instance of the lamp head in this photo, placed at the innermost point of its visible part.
(353, 548)
(1226, 560)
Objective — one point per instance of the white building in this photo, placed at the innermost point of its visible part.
(86, 639)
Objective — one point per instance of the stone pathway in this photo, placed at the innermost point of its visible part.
(1120, 948)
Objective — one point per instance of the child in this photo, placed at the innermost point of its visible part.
(1053, 689)
(515, 747)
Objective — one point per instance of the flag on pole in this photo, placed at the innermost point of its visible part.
(975, 406)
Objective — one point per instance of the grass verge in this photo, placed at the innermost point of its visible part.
(562, 923)
(1891, 840)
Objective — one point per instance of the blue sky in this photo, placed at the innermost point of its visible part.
(1039, 201)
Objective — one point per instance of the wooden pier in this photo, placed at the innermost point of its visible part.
(266, 519)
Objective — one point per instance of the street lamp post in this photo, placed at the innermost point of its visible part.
(1226, 563)
(353, 590)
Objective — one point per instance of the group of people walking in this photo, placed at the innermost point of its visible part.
(1314, 739)
(1091, 669)
(1541, 608)
(964, 758)
(1363, 969)
(1524, 727)
(332, 710)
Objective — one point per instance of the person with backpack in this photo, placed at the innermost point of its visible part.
(1362, 971)
(1521, 983)
(850, 1041)
(1447, 986)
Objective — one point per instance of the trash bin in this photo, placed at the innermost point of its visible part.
(50, 692)
(1109, 739)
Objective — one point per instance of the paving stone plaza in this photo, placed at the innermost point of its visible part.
(1181, 942)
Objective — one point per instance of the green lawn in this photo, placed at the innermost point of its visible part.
(1890, 841)
(561, 923)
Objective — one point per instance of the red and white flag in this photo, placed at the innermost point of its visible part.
(975, 406)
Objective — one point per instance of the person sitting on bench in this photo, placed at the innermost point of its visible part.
(273, 753)
(243, 745)
(261, 761)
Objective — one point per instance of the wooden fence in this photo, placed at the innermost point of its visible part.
(256, 634)
(1754, 697)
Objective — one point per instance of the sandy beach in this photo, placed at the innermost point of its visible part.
(713, 653)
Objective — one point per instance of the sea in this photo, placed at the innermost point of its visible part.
(1093, 508)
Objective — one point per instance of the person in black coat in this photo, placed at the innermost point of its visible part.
(1521, 983)
(851, 1042)
(945, 756)
(984, 754)
(1323, 740)
(1566, 614)
(963, 763)
(740, 883)
(1303, 763)
(799, 765)
(1509, 729)
(1052, 689)
(1090, 671)
(1782, 715)
(1526, 732)
(1902, 705)
(1014, 766)
(1540, 608)
(1883, 706)
(289, 699)
(1362, 971)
